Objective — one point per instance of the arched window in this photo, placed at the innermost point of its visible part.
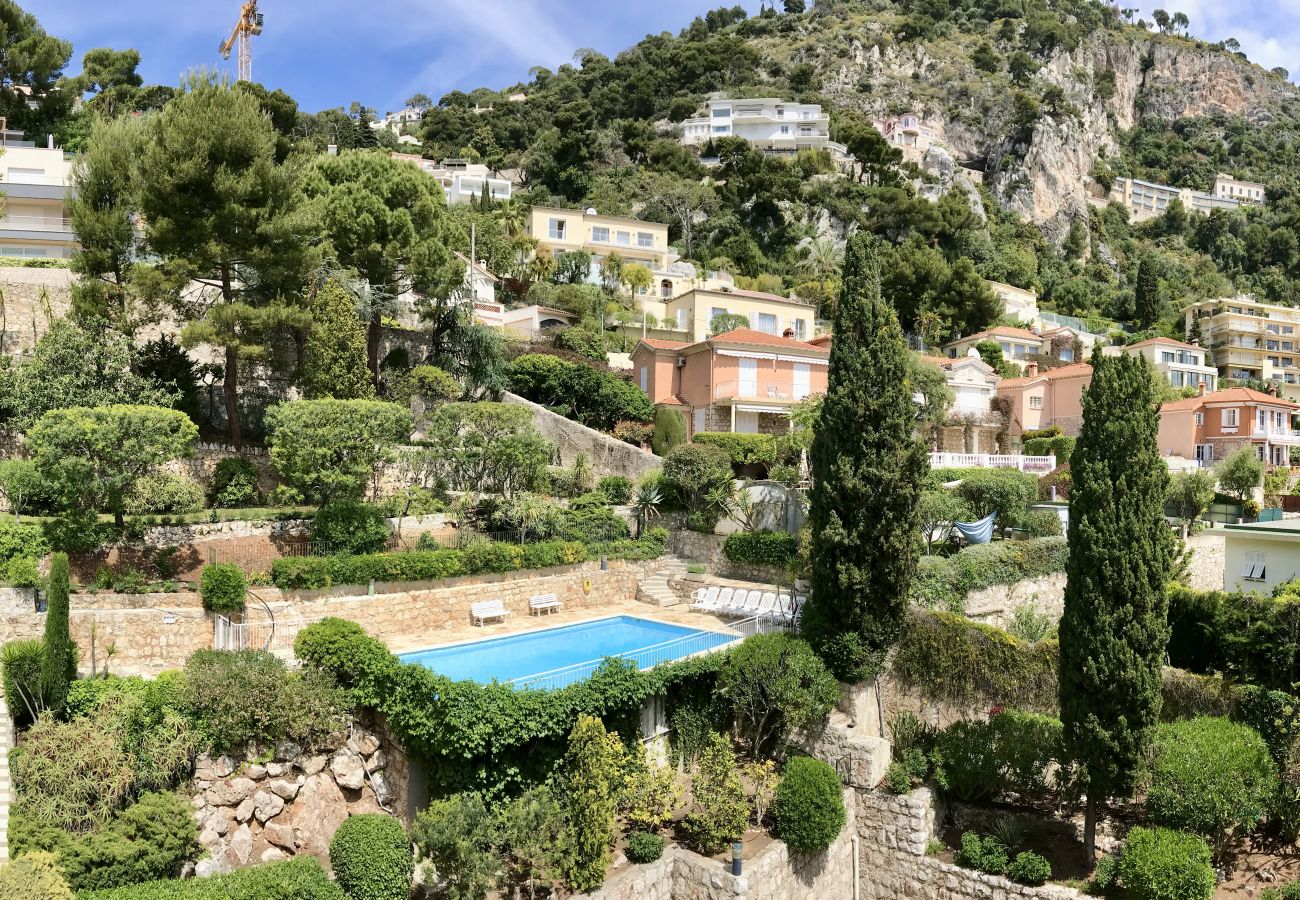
(666, 288)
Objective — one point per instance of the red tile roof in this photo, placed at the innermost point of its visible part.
(1074, 370)
(657, 344)
(763, 339)
(1231, 395)
(1000, 331)
(1168, 342)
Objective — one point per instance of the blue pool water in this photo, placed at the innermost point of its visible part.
(518, 656)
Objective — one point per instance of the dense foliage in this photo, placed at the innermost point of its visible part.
(300, 878)
(222, 587)
(370, 855)
(944, 581)
(591, 394)
(809, 805)
(1162, 864)
(762, 548)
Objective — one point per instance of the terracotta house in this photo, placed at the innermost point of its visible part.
(1211, 426)
(1041, 399)
(744, 380)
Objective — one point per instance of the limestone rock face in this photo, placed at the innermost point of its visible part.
(267, 806)
(285, 790)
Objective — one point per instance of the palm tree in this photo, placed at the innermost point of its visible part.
(824, 260)
(541, 267)
(513, 217)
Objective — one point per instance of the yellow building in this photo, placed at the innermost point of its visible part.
(1246, 339)
(35, 182)
(688, 317)
(560, 231)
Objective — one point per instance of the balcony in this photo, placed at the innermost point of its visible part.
(1277, 435)
(1041, 464)
(57, 225)
(736, 391)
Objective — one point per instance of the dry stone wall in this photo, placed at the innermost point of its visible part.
(994, 605)
(252, 811)
(607, 455)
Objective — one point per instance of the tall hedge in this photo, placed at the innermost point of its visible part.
(1114, 630)
(59, 664)
(669, 431)
(868, 468)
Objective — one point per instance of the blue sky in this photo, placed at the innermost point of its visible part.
(329, 52)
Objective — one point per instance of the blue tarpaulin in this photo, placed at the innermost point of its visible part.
(980, 532)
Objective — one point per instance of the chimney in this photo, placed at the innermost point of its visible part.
(1200, 389)
(788, 333)
(1031, 369)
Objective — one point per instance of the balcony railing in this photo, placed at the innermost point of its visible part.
(36, 223)
(21, 178)
(756, 390)
(992, 461)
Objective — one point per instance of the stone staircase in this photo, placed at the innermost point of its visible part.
(6, 743)
(655, 590)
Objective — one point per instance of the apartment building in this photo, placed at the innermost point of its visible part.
(1245, 339)
(1018, 344)
(689, 317)
(743, 381)
(1183, 365)
(1019, 303)
(559, 231)
(36, 182)
(973, 422)
(910, 133)
(1145, 199)
(1251, 192)
(462, 181)
(1211, 426)
(767, 123)
(1041, 399)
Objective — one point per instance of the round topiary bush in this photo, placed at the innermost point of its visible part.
(809, 805)
(643, 847)
(371, 857)
(1211, 777)
(163, 492)
(223, 588)
(1162, 864)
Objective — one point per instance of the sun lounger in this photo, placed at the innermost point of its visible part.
(705, 598)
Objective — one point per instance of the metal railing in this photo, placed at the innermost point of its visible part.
(753, 390)
(992, 461)
(268, 635)
(57, 224)
(694, 644)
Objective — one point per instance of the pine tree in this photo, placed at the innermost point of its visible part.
(1114, 630)
(1146, 296)
(334, 356)
(59, 665)
(868, 464)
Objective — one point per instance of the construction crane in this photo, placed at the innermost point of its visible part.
(249, 24)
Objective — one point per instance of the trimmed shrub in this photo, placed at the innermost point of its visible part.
(1211, 777)
(371, 858)
(615, 487)
(22, 539)
(223, 588)
(164, 492)
(1005, 491)
(300, 878)
(1041, 523)
(809, 805)
(763, 548)
(1012, 753)
(234, 484)
(1162, 864)
(669, 431)
(1061, 446)
(23, 572)
(744, 449)
(643, 847)
(982, 854)
(34, 876)
(347, 526)
(1029, 868)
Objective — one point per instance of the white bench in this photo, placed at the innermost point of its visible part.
(543, 603)
(488, 609)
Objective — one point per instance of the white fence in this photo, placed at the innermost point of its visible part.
(694, 644)
(1043, 464)
(274, 637)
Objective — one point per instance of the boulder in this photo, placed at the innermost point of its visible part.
(280, 836)
(315, 814)
(310, 765)
(286, 751)
(273, 854)
(286, 790)
(378, 760)
(230, 793)
(241, 846)
(363, 742)
(267, 806)
(276, 770)
(348, 769)
(244, 812)
(256, 772)
(223, 766)
(205, 868)
(209, 839)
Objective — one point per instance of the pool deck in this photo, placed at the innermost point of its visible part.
(672, 615)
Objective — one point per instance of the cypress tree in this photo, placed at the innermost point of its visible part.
(334, 354)
(1146, 297)
(868, 464)
(485, 199)
(669, 431)
(1114, 630)
(59, 665)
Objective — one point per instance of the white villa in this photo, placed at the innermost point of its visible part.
(461, 180)
(769, 124)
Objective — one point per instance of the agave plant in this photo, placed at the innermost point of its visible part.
(646, 502)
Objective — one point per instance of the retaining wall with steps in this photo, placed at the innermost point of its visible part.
(655, 589)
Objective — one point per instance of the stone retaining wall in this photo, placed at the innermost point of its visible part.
(894, 833)
(607, 455)
(994, 605)
(773, 874)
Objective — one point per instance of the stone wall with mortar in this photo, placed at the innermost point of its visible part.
(607, 455)
(894, 833)
(151, 633)
(254, 810)
(32, 299)
(773, 874)
(994, 605)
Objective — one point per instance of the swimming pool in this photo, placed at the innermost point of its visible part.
(569, 653)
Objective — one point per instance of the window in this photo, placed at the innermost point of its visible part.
(722, 112)
(666, 288)
(1200, 418)
(715, 312)
(1035, 402)
(1166, 356)
(699, 420)
(721, 129)
(681, 319)
(802, 381)
(645, 239)
(766, 323)
(1228, 418)
(1256, 562)
(800, 329)
(645, 380)
(600, 234)
(785, 129)
(624, 238)
(1176, 379)
(557, 229)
